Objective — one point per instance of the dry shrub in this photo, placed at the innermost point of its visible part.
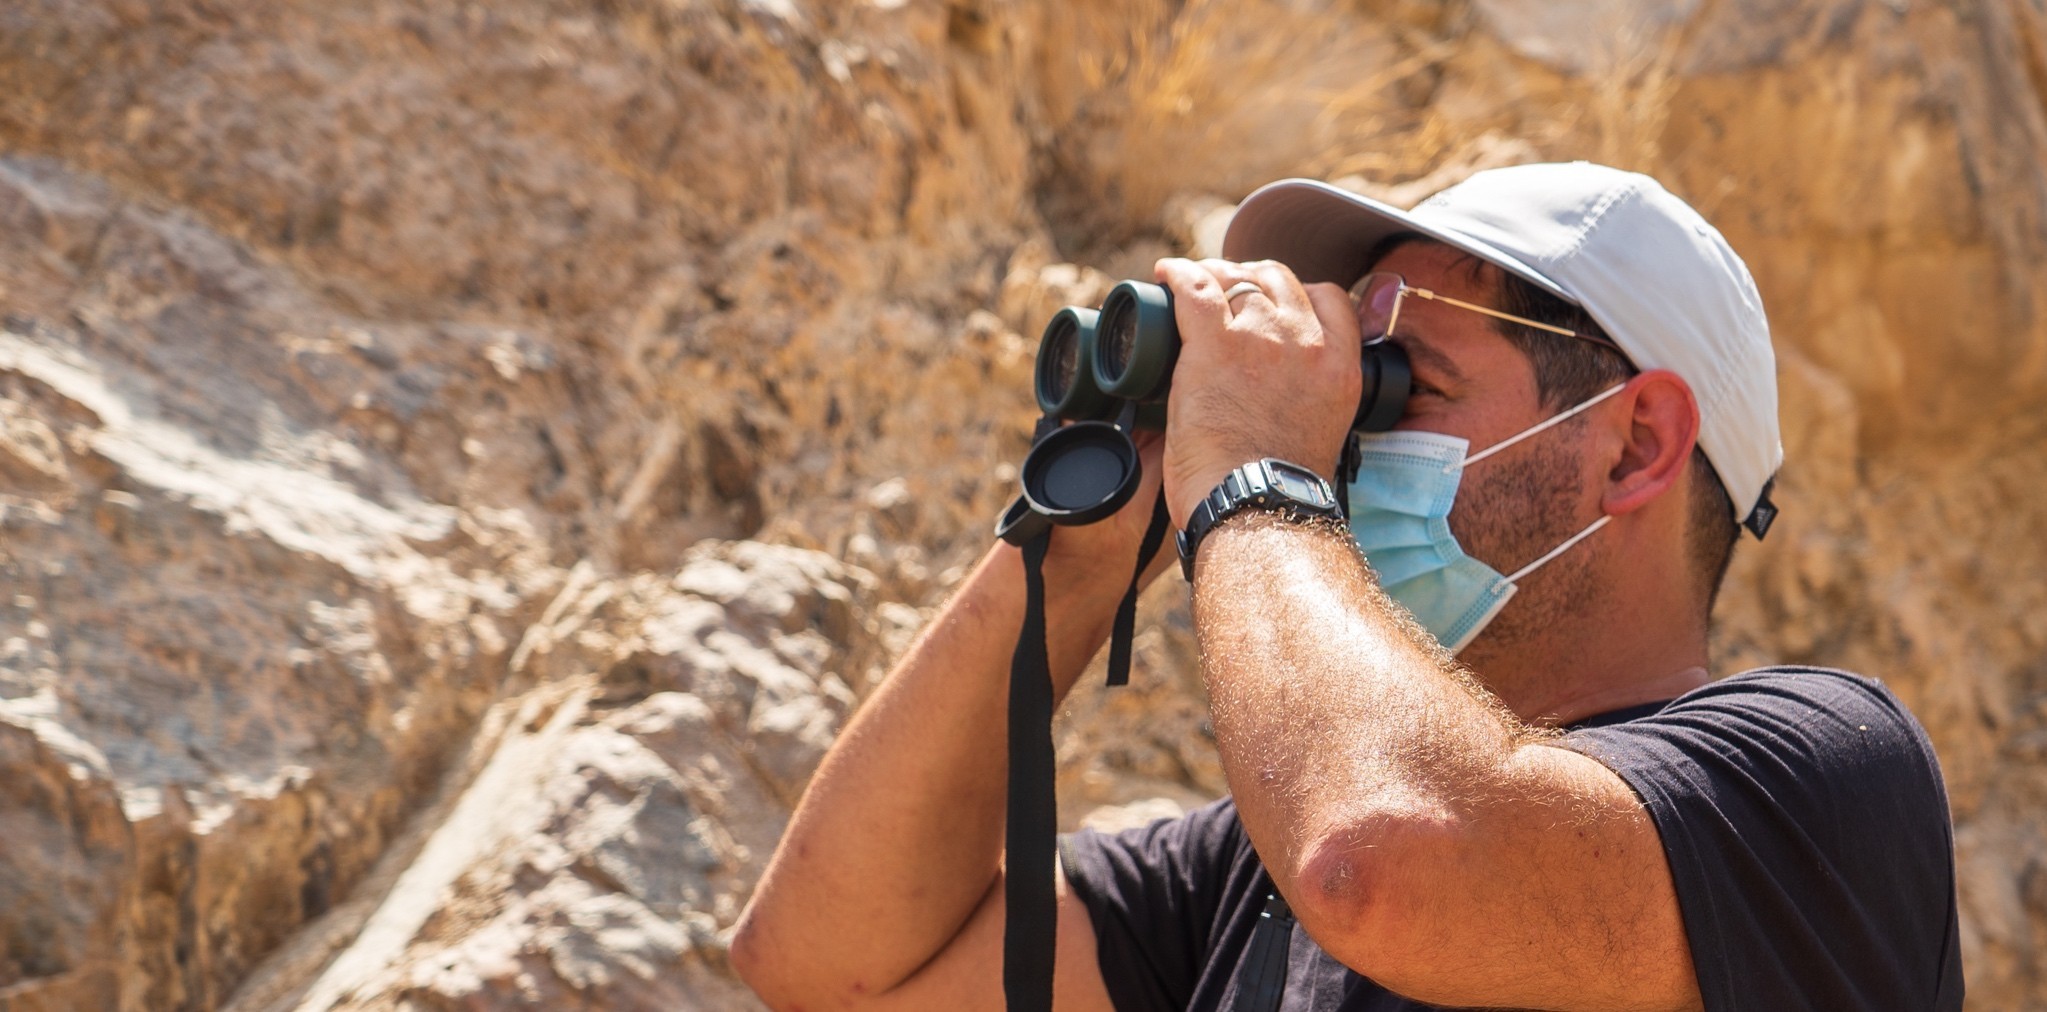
(1632, 84)
(1154, 101)
(1219, 96)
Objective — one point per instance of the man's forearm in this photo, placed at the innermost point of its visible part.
(899, 835)
(1332, 715)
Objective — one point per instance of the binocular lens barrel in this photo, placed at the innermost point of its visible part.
(1137, 342)
(1064, 351)
(1065, 378)
(1118, 341)
(1092, 365)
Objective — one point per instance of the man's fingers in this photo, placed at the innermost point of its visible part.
(1275, 281)
(1278, 283)
(1209, 284)
(1336, 312)
(1226, 272)
(1232, 277)
(1200, 306)
(1191, 282)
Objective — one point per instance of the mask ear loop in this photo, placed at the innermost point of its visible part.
(1549, 423)
(1560, 549)
(1552, 422)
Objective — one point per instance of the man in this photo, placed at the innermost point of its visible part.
(1574, 817)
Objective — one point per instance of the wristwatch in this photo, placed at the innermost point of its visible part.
(1285, 488)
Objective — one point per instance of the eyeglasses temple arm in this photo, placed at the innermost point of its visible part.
(1393, 318)
(1461, 304)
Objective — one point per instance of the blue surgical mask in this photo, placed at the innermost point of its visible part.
(1400, 516)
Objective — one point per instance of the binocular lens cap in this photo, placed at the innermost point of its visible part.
(1081, 473)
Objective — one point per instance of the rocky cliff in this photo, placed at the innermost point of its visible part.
(460, 463)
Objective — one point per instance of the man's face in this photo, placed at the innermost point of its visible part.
(1471, 382)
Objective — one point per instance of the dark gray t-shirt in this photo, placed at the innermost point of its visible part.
(1801, 810)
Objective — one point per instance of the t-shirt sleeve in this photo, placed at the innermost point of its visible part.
(1807, 830)
(1155, 894)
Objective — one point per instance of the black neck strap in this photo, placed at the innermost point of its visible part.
(1347, 472)
(1031, 918)
(1262, 981)
(1031, 923)
(1126, 613)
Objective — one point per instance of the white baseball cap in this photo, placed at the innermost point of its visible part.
(1662, 282)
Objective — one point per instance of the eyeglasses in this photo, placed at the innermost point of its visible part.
(1378, 296)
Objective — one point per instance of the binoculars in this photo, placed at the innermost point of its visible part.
(1092, 362)
(1106, 373)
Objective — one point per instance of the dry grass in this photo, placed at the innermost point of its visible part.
(1632, 83)
(1222, 95)
(1219, 96)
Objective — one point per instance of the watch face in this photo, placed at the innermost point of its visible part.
(1296, 485)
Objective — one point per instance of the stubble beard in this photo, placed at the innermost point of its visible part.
(1513, 509)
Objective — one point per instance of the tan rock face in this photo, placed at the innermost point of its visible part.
(620, 814)
(414, 418)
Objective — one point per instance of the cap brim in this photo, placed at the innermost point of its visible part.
(1324, 233)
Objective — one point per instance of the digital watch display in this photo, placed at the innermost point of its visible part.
(1270, 484)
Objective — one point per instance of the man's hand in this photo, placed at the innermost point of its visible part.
(1094, 561)
(1273, 373)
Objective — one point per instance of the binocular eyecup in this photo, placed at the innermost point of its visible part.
(1067, 381)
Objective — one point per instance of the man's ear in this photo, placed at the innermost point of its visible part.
(1662, 426)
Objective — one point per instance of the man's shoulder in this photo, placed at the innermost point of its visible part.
(1791, 731)
(1813, 685)
(1769, 789)
(1811, 697)
(1809, 706)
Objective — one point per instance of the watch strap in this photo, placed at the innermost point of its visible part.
(1259, 485)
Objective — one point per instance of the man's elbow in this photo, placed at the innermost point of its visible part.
(1336, 892)
(781, 975)
(758, 962)
(749, 956)
(1355, 886)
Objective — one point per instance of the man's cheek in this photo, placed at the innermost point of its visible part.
(1468, 524)
(1492, 507)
